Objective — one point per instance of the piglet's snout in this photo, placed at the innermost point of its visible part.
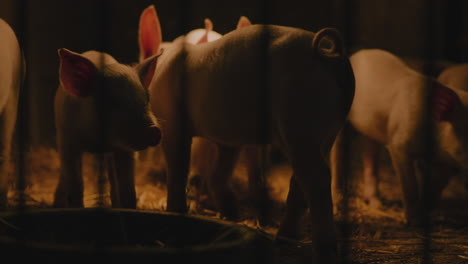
(152, 135)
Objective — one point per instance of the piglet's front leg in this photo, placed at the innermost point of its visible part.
(176, 148)
(7, 119)
(224, 197)
(122, 178)
(439, 179)
(404, 167)
(371, 170)
(69, 192)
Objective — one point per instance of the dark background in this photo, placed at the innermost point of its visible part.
(419, 29)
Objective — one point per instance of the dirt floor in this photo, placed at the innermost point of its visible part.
(376, 235)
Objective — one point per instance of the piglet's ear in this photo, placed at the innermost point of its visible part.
(208, 28)
(243, 22)
(146, 69)
(77, 73)
(446, 102)
(149, 33)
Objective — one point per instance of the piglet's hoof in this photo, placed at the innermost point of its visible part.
(416, 221)
(230, 212)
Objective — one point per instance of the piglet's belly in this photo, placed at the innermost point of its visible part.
(238, 121)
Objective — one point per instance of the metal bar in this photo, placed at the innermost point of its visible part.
(453, 22)
(23, 119)
(265, 100)
(347, 24)
(429, 56)
(103, 45)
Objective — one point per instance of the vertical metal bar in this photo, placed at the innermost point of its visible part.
(429, 54)
(21, 131)
(348, 37)
(344, 10)
(185, 7)
(347, 25)
(453, 25)
(265, 95)
(463, 32)
(103, 44)
(104, 28)
(22, 126)
(183, 25)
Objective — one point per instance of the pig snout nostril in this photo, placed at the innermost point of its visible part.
(154, 134)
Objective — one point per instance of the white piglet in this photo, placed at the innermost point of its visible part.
(392, 107)
(102, 106)
(12, 70)
(212, 174)
(457, 77)
(258, 85)
(208, 174)
(215, 173)
(203, 35)
(196, 36)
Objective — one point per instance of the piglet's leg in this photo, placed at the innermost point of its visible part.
(122, 178)
(5, 149)
(292, 225)
(439, 180)
(113, 181)
(313, 176)
(203, 154)
(176, 148)
(258, 187)
(225, 199)
(340, 169)
(69, 192)
(370, 173)
(403, 165)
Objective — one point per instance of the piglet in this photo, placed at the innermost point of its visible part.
(203, 35)
(254, 86)
(12, 71)
(102, 106)
(456, 76)
(394, 105)
(208, 174)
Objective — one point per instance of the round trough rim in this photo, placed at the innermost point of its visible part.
(248, 236)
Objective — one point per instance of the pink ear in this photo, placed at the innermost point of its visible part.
(146, 69)
(150, 73)
(243, 22)
(77, 73)
(208, 28)
(446, 102)
(150, 36)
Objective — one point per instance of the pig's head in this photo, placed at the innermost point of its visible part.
(450, 112)
(116, 96)
(200, 36)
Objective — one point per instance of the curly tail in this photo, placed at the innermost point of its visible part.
(328, 43)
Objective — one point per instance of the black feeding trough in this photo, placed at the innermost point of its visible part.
(127, 236)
